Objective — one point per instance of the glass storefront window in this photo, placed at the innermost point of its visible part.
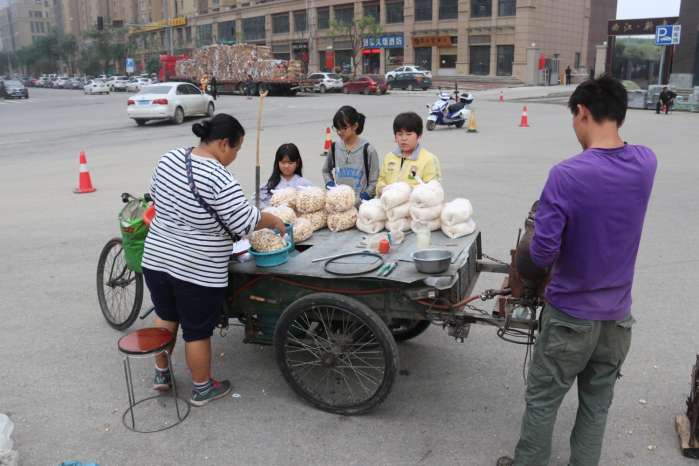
(423, 57)
(447, 61)
(448, 9)
(506, 55)
(205, 35)
(481, 8)
(254, 28)
(394, 57)
(280, 23)
(226, 32)
(480, 60)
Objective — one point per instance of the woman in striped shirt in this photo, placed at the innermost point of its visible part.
(201, 211)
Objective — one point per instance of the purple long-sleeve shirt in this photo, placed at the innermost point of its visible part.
(588, 227)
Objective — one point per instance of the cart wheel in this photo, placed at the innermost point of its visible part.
(336, 353)
(405, 329)
(119, 289)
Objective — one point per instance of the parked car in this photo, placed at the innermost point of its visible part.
(13, 89)
(119, 84)
(77, 83)
(408, 69)
(366, 84)
(62, 82)
(96, 86)
(136, 84)
(410, 81)
(170, 100)
(324, 82)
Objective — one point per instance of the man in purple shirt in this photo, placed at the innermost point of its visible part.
(586, 234)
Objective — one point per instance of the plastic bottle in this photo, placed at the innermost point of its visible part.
(6, 428)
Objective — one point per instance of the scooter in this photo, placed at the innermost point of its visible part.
(443, 114)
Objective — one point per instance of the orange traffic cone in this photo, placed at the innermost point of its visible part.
(502, 97)
(524, 122)
(328, 142)
(84, 181)
(472, 123)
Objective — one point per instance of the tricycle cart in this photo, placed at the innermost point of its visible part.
(334, 332)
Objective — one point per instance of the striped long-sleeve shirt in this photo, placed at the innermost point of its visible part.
(184, 240)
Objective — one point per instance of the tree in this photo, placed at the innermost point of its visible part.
(355, 31)
(108, 46)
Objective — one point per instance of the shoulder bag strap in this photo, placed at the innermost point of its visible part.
(200, 200)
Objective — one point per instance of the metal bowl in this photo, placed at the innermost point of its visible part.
(432, 260)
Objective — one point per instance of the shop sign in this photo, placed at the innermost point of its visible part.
(163, 23)
(386, 41)
(630, 27)
(432, 41)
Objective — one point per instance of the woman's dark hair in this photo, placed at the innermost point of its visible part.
(605, 97)
(222, 126)
(290, 151)
(408, 121)
(347, 116)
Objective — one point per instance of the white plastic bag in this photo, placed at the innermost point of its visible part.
(418, 225)
(341, 221)
(285, 196)
(318, 219)
(340, 198)
(457, 211)
(369, 226)
(460, 229)
(427, 194)
(310, 199)
(303, 229)
(395, 194)
(285, 213)
(402, 224)
(372, 211)
(398, 212)
(425, 214)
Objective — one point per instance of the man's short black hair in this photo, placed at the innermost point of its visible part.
(408, 121)
(605, 97)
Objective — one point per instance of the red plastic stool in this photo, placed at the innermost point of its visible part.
(146, 343)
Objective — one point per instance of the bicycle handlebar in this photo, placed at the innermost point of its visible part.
(126, 197)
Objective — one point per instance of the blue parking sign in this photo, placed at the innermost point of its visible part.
(667, 34)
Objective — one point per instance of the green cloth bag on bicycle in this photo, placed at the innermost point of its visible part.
(133, 232)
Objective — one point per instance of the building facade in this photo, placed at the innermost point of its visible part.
(488, 38)
(22, 22)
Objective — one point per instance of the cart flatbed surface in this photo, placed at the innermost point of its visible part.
(325, 243)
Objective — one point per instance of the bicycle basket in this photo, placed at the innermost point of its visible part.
(133, 232)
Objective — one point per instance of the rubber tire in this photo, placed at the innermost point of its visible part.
(345, 90)
(210, 109)
(322, 89)
(430, 125)
(178, 118)
(418, 327)
(411, 87)
(138, 297)
(141, 122)
(363, 313)
(459, 124)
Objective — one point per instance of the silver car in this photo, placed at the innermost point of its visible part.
(169, 101)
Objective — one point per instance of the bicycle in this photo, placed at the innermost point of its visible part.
(119, 287)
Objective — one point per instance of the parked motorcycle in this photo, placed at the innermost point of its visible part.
(444, 114)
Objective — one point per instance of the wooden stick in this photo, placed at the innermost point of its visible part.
(263, 94)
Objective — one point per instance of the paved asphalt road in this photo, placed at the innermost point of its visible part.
(61, 378)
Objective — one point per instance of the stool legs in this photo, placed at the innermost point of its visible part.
(129, 390)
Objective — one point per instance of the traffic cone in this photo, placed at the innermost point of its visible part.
(328, 142)
(84, 181)
(524, 122)
(472, 123)
(502, 97)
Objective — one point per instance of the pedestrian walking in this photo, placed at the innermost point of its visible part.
(212, 86)
(569, 74)
(204, 83)
(590, 249)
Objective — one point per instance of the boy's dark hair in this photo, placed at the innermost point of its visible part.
(408, 121)
(290, 151)
(222, 126)
(347, 116)
(605, 97)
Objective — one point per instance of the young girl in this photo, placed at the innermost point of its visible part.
(287, 172)
(352, 160)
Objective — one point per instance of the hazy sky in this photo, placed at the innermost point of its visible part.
(626, 9)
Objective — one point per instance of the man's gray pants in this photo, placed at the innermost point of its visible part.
(568, 348)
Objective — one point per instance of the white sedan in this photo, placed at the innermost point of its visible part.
(96, 86)
(170, 100)
(408, 69)
(136, 84)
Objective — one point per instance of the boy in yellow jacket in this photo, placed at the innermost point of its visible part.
(408, 161)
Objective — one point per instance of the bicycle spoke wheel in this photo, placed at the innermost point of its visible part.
(119, 289)
(336, 353)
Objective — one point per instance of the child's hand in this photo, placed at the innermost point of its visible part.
(364, 196)
(330, 184)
